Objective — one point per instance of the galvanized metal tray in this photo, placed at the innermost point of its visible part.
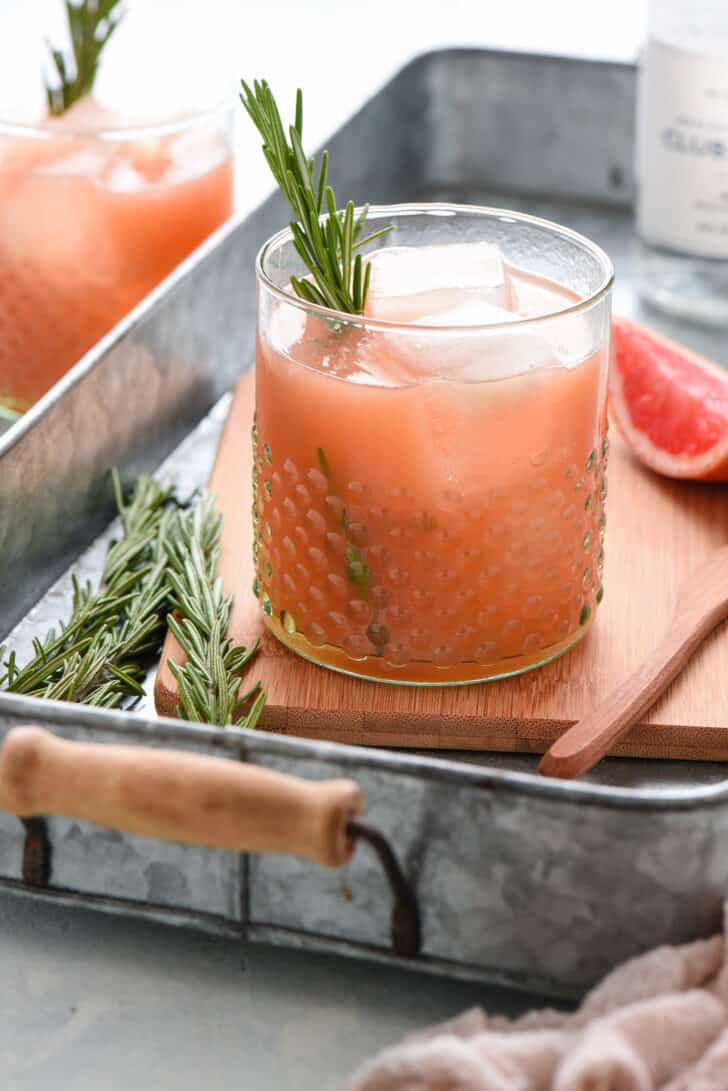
(544, 885)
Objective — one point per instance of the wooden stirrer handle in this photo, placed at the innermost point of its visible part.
(587, 742)
(176, 796)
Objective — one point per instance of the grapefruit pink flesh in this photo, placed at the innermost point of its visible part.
(670, 404)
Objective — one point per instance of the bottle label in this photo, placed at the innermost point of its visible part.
(682, 151)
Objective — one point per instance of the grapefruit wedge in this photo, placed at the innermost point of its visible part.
(670, 404)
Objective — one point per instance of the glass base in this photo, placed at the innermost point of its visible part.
(690, 288)
(419, 673)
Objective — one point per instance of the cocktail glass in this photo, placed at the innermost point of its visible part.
(430, 478)
(93, 214)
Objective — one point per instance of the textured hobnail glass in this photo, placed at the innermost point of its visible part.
(432, 531)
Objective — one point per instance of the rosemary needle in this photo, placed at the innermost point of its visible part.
(91, 24)
(326, 239)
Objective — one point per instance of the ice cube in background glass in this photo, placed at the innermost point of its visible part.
(69, 146)
(88, 160)
(408, 282)
(469, 354)
(194, 153)
(138, 164)
(122, 176)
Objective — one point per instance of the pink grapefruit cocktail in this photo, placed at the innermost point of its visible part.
(93, 214)
(430, 477)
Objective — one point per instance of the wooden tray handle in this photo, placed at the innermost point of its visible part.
(176, 796)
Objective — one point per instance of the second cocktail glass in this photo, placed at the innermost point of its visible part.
(94, 213)
(430, 478)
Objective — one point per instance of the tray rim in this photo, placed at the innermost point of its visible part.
(244, 744)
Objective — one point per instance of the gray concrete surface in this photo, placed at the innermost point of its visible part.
(90, 1002)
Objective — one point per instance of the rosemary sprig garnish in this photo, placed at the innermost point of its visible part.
(167, 559)
(209, 682)
(326, 239)
(91, 24)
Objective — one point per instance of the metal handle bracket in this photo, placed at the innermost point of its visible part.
(406, 928)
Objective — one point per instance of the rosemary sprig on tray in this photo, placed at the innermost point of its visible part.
(97, 657)
(91, 24)
(166, 560)
(326, 239)
(209, 682)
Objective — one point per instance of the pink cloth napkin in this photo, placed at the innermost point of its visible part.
(658, 1023)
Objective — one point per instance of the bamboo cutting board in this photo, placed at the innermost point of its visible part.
(657, 532)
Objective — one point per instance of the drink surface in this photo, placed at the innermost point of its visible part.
(87, 228)
(429, 498)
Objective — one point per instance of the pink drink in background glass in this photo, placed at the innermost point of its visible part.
(93, 214)
(430, 479)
